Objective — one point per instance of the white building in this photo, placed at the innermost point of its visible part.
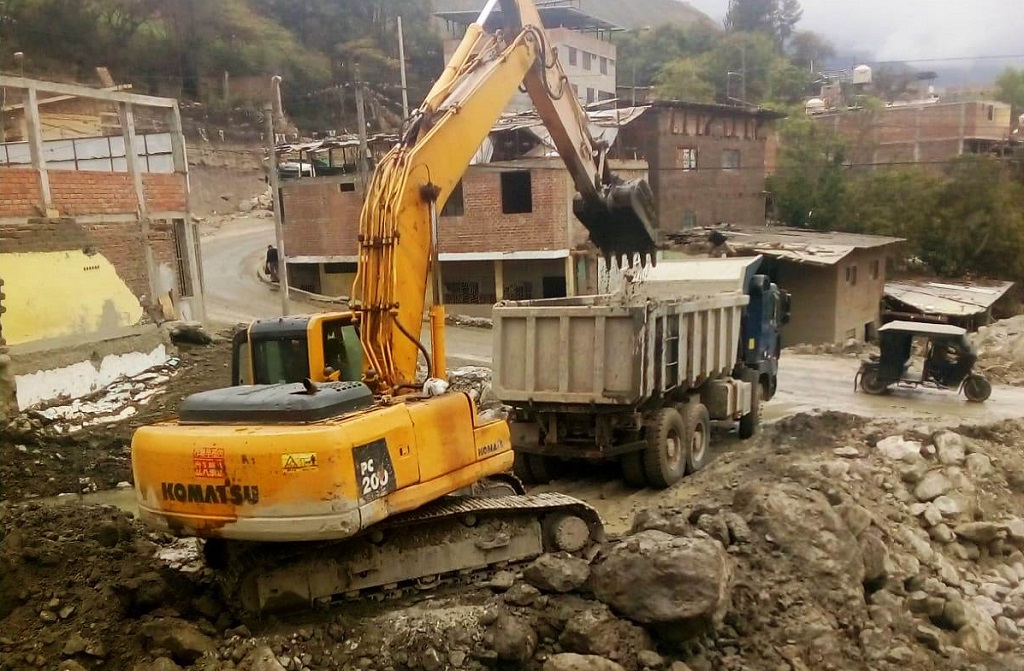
(582, 42)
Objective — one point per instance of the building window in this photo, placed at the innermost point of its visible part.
(572, 56)
(604, 65)
(587, 56)
(590, 95)
(875, 269)
(991, 109)
(339, 268)
(347, 187)
(456, 205)
(731, 159)
(851, 275)
(576, 91)
(689, 219)
(516, 192)
(686, 158)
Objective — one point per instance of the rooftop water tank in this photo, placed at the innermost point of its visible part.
(862, 74)
(814, 106)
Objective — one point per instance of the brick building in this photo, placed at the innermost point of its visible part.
(95, 239)
(706, 163)
(929, 132)
(508, 231)
(581, 39)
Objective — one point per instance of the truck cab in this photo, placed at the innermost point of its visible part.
(763, 318)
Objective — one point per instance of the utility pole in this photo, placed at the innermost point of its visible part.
(275, 193)
(364, 151)
(743, 73)
(401, 59)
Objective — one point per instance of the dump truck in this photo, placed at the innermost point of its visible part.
(639, 374)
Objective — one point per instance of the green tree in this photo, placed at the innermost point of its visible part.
(810, 181)
(979, 222)
(897, 201)
(1010, 89)
(752, 16)
(787, 14)
(808, 50)
(643, 53)
(683, 79)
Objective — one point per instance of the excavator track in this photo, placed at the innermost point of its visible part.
(457, 540)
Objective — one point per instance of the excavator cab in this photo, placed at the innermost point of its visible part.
(322, 347)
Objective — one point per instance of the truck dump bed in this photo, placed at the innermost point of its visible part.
(611, 349)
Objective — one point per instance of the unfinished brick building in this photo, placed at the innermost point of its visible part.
(508, 231)
(95, 237)
(928, 132)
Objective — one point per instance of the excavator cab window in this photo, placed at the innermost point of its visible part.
(281, 360)
(342, 351)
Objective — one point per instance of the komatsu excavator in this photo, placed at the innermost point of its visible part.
(363, 480)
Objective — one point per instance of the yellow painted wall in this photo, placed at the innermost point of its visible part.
(56, 294)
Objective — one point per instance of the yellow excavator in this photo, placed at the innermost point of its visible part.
(328, 470)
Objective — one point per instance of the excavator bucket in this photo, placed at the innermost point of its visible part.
(622, 225)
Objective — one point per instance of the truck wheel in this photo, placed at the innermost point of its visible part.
(666, 454)
(521, 468)
(698, 424)
(633, 470)
(750, 423)
(977, 389)
(543, 469)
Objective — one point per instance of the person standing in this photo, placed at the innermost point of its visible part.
(270, 265)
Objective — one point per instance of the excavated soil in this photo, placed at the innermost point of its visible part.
(37, 461)
(835, 550)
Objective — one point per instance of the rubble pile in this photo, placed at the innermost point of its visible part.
(264, 202)
(466, 320)
(1000, 349)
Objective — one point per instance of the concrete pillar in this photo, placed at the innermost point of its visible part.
(131, 158)
(499, 279)
(570, 276)
(35, 148)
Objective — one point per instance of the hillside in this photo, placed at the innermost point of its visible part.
(637, 14)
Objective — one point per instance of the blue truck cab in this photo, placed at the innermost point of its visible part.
(760, 338)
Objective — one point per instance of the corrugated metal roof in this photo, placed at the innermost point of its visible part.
(947, 299)
(820, 248)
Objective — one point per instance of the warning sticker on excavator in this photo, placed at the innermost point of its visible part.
(298, 461)
(208, 462)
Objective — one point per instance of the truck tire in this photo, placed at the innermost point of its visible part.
(698, 431)
(667, 452)
(750, 423)
(543, 469)
(633, 470)
(977, 389)
(521, 468)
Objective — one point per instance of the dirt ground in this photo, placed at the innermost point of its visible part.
(827, 547)
(35, 462)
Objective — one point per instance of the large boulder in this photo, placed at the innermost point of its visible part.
(654, 578)
(598, 632)
(569, 661)
(182, 639)
(554, 573)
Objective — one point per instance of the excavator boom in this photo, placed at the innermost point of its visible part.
(398, 225)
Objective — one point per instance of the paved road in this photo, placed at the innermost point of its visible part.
(806, 383)
(231, 257)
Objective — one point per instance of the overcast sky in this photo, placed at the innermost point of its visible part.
(912, 29)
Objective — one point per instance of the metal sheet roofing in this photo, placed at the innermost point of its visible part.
(821, 248)
(924, 327)
(947, 299)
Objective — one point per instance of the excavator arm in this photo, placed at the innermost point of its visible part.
(398, 245)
